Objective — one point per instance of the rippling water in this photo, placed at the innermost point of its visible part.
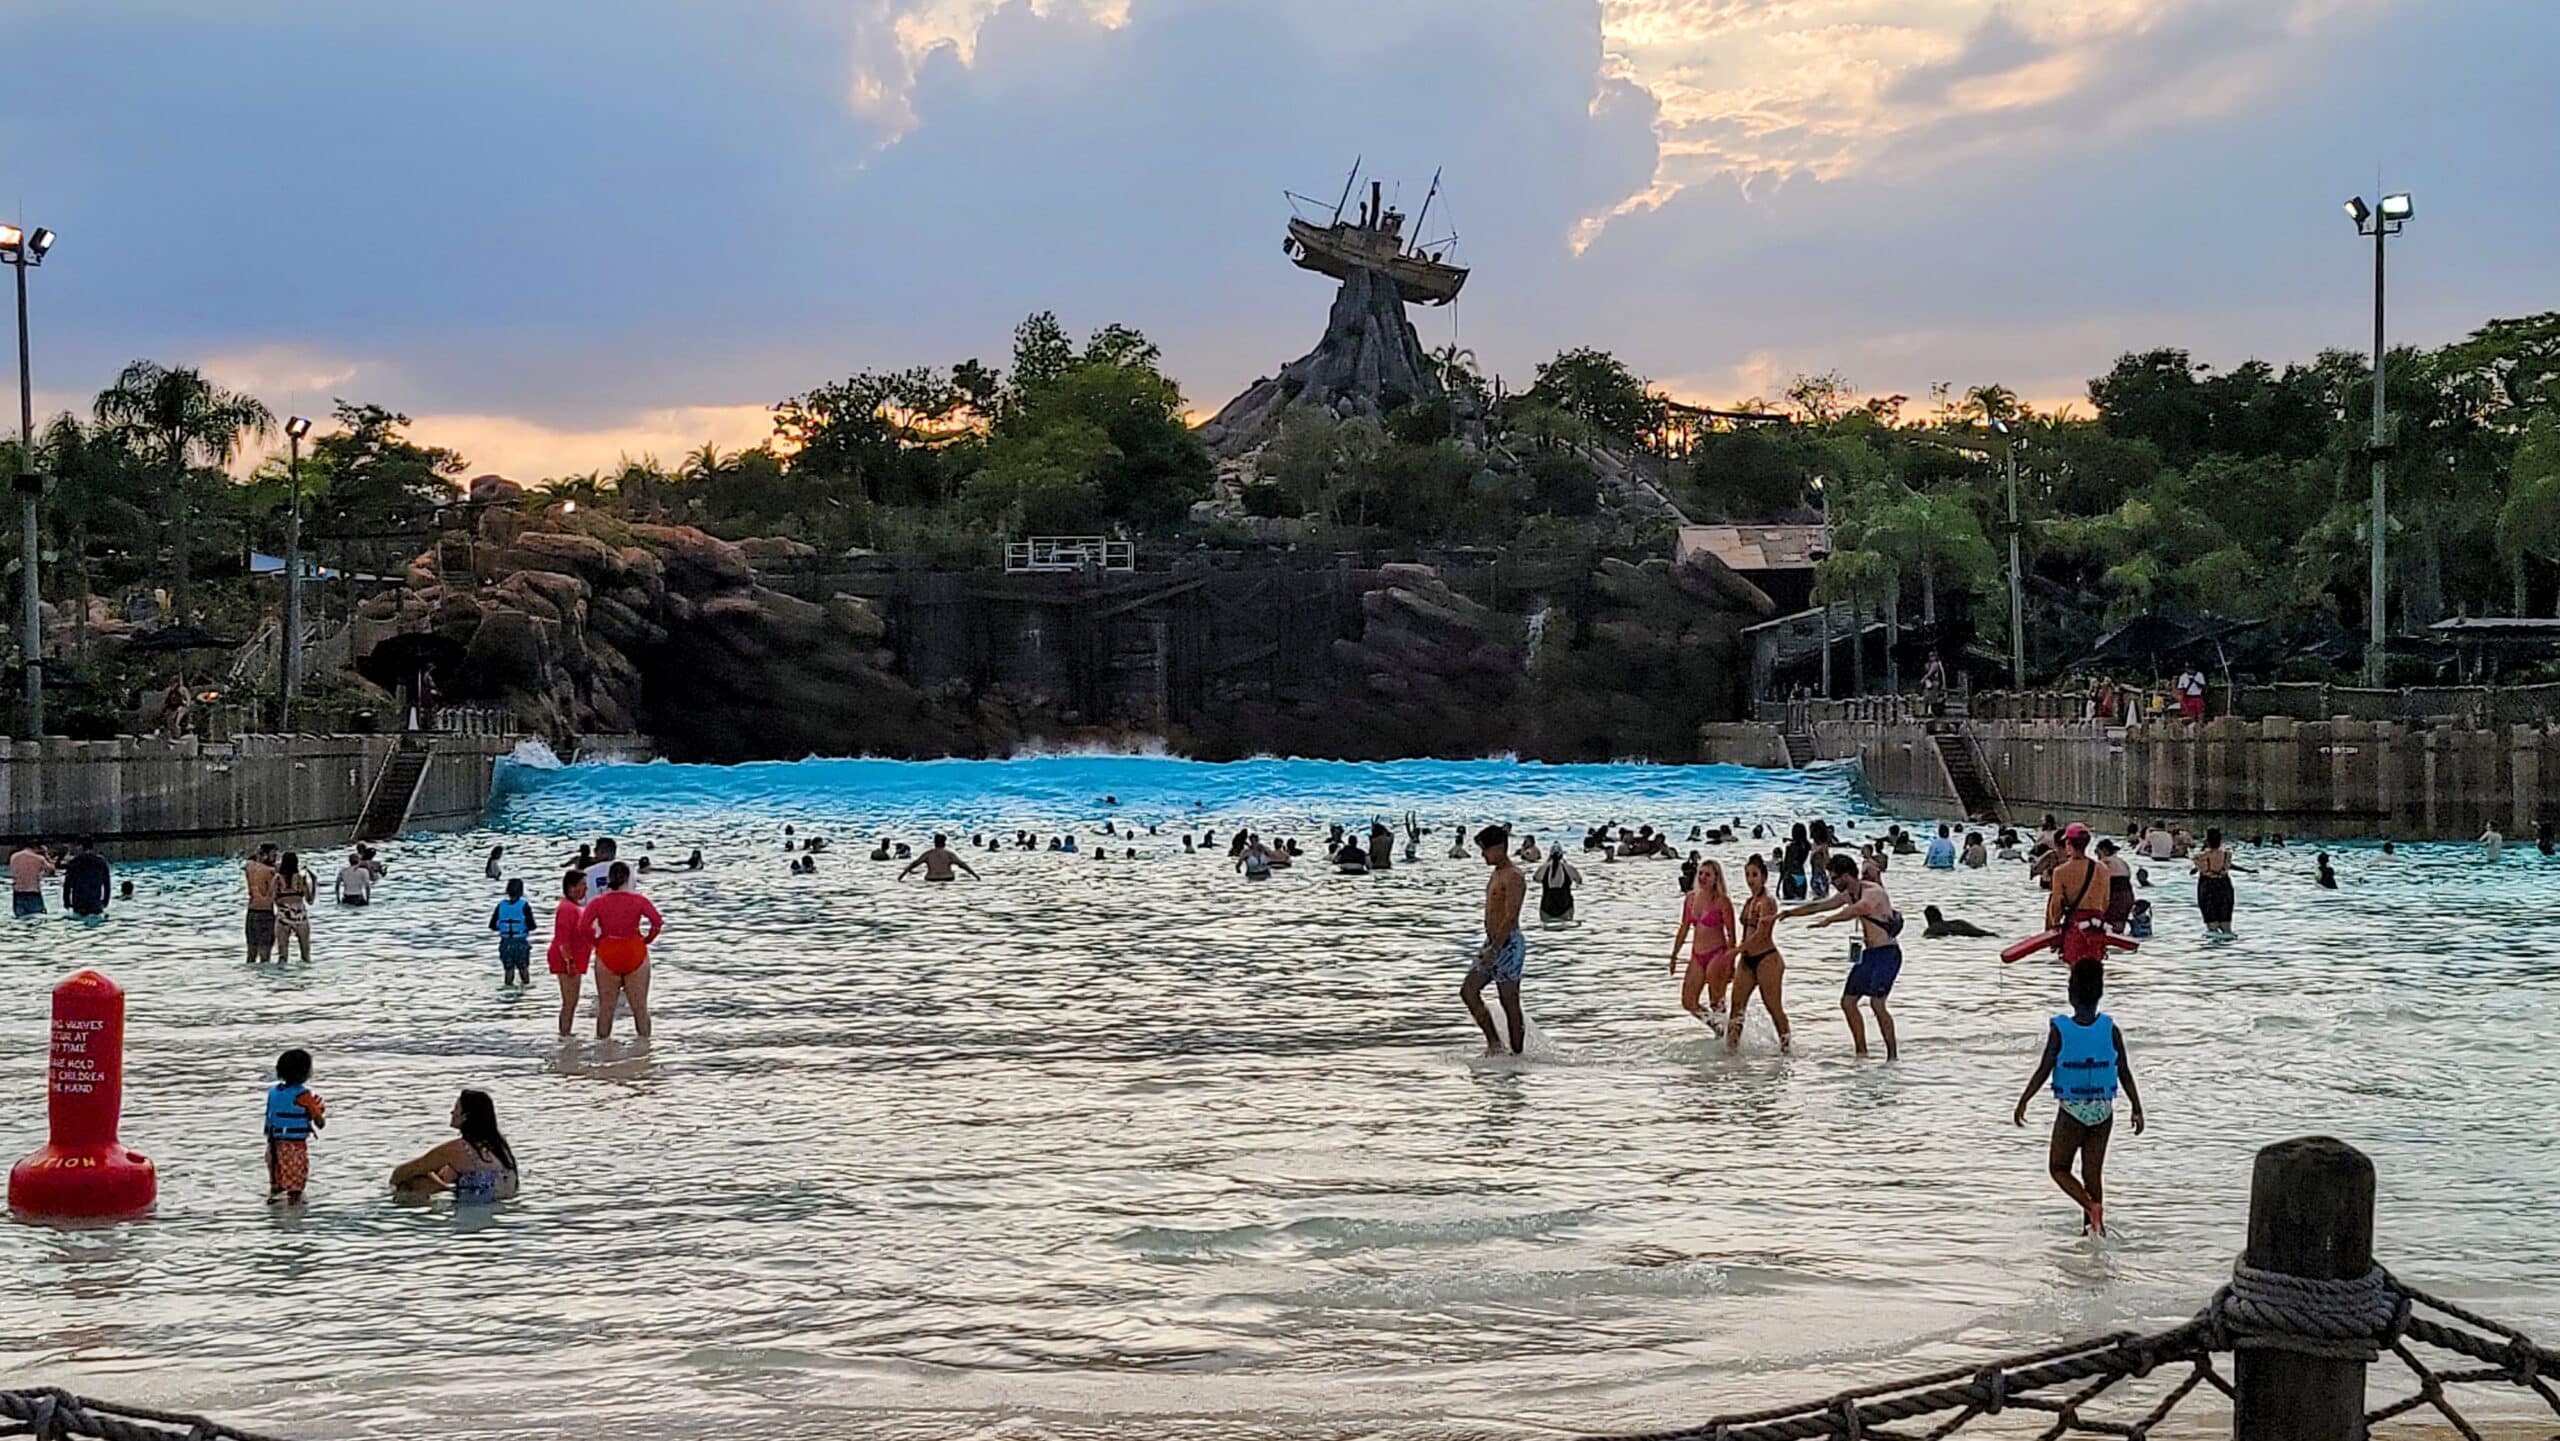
(1131, 1148)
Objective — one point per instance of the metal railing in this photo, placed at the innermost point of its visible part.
(1050, 554)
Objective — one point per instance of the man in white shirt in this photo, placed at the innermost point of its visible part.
(601, 872)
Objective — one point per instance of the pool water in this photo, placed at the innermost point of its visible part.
(1134, 1148)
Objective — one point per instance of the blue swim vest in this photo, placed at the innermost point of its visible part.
(514, 919)
(2086, 1069)
(286, 1120)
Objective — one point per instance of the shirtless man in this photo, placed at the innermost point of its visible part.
(261, 876)
(1505, 949)
(1879, 961)
(2077, 905)
(939, 861)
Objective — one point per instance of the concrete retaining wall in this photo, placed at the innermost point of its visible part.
(2337, 778)
(145, 796)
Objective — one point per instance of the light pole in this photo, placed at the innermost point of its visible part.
(22, 251)
(290, 657)
(2017, 575)
(1823, 493)
(2381, 221)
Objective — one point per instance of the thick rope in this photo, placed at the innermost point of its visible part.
(52, 1414)
(2338, 1320)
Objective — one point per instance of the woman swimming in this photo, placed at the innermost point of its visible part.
(1760, 968)
(477, 1165)
(1706, 923)
(624, 924)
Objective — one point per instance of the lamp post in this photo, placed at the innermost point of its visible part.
(2017, 575)
(1822, 493)
(2381, 221)
(289, 660)
(23, 250)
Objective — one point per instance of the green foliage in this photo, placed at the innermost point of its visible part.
(1596, 388)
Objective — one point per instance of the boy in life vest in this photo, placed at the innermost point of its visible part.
(294, 1111)
(513, 921)
(2085, 1057)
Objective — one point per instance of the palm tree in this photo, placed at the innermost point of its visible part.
(179, 421)
(1457, 369)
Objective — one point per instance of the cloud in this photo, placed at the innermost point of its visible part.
(528, 450)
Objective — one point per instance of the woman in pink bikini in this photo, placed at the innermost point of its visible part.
(1706, 923)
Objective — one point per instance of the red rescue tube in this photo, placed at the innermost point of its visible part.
(84, 1172)
(2052, 940)
(2046, 941)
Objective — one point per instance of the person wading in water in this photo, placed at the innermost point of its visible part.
(1506, 951)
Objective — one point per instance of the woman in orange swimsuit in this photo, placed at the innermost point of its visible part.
(623, 923)
(1706, 923)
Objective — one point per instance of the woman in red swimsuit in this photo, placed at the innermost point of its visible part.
(1706, 922)
(623, 923)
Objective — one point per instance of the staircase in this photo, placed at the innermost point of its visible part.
(1800, 751)
(1966, 775)
(386, 810)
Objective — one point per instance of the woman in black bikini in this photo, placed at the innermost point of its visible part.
(1759, 968)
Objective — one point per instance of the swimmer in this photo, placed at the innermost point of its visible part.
(1791, 871)
(477, 1166)
(2327, 879)
(623, 924)
(694, 862)
(1975, 855)
(1529, 849)
(879, 852)
(1505, 951)
(2085, 1058)
(2119, 885)
(1556, 880)
(1875, 965)
(1942, 849)
(1458, 843)
(1706, 921)
(1939, 927)
(2214, 899)
(1255, 862)
(2492, 844)
(491, 868)
(940, 861)
(1759, 969)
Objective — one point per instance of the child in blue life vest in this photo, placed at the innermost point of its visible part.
(513, 921)
(294, 1111)
(2085, 1057)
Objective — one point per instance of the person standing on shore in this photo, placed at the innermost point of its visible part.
(1875, 964)
(2085, 1058)
(1505, 953)
(260, 875)
(2214, 899)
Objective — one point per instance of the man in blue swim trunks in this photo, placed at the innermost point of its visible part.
(1505, 949)
(1878, 962)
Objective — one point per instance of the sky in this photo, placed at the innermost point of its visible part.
(558, 234)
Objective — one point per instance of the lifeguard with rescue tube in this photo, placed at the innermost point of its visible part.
(2073, 926)
(83, 1172)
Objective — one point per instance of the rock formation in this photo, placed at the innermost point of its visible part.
(584, 623)
(1368, 363)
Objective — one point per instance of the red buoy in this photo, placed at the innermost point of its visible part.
(84, 1172)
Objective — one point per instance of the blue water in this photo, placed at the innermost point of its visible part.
(1131, 1148)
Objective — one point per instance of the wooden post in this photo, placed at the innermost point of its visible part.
(2310, 1215)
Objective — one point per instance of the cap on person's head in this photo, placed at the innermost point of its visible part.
(2076, 834)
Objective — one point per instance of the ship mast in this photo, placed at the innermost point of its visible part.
(1426, 209)
(1347, 182)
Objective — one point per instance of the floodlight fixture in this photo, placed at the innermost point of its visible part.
(298, 427)
(2358, 211)
(2394, 207)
